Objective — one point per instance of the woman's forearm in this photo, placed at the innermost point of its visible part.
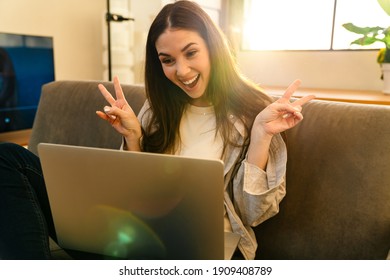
(258, 150)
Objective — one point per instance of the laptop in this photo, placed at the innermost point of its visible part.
(132, 205)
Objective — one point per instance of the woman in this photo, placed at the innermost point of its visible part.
(198, 104)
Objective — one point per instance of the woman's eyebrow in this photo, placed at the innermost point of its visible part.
(187, 46)
(182, 50)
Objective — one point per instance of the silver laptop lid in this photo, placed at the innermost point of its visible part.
(135, 205)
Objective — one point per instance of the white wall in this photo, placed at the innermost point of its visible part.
(356, 70)
(76, 26)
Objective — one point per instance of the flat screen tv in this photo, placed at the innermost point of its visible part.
(26, 63)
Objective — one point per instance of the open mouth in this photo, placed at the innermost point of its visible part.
(191, 83)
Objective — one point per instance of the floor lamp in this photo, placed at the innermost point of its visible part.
(116, 18)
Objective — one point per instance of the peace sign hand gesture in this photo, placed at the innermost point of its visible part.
(275, 118)
(121, 116)
(282, 114)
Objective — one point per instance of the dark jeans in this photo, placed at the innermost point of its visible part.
(25, 217)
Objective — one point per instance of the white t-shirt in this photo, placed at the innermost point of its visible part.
(197, 133)
(198, 138)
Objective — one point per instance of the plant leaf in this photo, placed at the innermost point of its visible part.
(365, 41)
(362, 30)
(381, 55)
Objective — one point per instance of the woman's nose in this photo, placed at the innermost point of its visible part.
(182, 68)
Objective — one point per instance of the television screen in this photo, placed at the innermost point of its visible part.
(26, 63)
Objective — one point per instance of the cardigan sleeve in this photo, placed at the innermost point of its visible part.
(257, 193)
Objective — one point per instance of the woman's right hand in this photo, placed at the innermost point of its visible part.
(121, 116)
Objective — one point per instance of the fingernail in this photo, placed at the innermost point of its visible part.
(106, 109)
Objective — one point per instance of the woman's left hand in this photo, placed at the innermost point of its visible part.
(282, 114)
(275, 118)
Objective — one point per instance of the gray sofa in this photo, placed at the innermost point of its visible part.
(338, 175)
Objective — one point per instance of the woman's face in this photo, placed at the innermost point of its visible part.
(185, 61)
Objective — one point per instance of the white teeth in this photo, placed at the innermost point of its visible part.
(190, 81)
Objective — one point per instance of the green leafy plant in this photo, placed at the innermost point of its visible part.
(371, 35)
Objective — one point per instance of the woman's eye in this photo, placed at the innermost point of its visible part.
(167, 61)
(191, 53)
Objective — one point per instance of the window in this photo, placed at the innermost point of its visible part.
(307, 24)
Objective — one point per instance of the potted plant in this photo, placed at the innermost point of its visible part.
(371, 35)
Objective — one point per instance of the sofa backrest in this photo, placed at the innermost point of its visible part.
(338, 186)
(66, 114)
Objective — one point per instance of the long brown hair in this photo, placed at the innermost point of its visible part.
(228, 90)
